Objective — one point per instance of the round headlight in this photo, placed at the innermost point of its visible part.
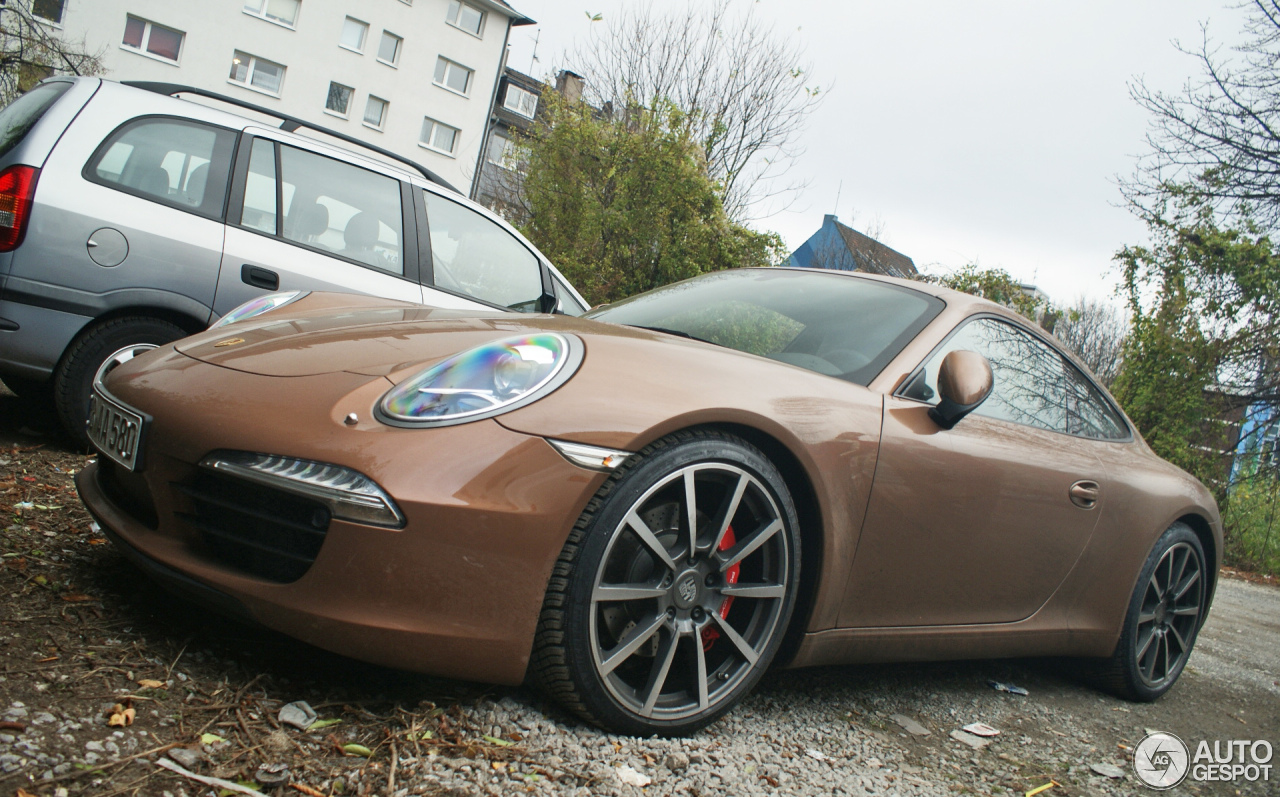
(259, 305)
(485, 381)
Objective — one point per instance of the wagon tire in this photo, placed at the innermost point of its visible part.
(650, 628)
(97, 350)
(1165, 613)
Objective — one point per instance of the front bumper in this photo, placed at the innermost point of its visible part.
(456, 593)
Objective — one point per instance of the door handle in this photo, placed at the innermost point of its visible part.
(259, 277)
(1084, 494)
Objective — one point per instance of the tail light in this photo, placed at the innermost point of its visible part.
(17, 187)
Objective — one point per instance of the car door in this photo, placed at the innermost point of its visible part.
(305, 220)
(980, 523)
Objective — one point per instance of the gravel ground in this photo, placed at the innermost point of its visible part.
(83, 637)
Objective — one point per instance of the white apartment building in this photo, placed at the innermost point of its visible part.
(416, 77)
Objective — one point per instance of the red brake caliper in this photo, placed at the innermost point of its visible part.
(709, 634)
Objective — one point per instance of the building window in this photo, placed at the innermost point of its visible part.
(148, 37)
(454, 77)
(339, 99)
(375, 112)
(257, 73)
(521, 101)
(389, 48)
(50, 10)
(353, 34)
(438, 136)
(501, 152)
(285, 12)
(466, 16)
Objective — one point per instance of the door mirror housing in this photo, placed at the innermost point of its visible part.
(964, 382)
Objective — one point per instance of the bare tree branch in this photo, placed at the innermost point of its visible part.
(1222, 130)
(742, 87)
(32, 49)
(1095, 331)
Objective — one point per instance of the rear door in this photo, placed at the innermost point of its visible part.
(301, 219)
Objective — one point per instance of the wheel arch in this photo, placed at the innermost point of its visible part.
(1204, 531)
(178, 317)
(183, 320)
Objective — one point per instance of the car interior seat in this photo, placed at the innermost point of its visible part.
(153, 180)
(196, 181)
(360, 236)
(312, 222)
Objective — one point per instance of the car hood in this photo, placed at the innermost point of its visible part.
(318, 336)
(634, 384)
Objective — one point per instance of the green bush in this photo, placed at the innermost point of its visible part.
(1251, 524)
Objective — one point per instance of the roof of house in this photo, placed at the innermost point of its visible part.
(516, 17)
(504, 116)
(874, 256)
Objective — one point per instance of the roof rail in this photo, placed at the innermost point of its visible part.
(287, 123)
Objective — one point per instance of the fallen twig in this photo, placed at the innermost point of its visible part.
(391, 775)
(229, 785)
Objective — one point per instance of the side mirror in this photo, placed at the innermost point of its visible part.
(964, 382)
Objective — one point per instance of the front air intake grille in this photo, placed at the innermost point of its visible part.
(264, 532)
(128, 492)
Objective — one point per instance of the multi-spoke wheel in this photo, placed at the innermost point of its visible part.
(674, 591)
(1165, 613)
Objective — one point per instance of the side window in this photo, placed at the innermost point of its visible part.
(568, 304)
(1030, 378)
(343, 209)
(174, 162)
(474, 256)
(1088, 413)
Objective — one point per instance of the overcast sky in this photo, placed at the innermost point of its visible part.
(977, 131)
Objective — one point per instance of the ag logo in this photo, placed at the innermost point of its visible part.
(1161, 760)
(228, 342)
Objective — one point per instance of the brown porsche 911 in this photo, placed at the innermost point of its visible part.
(645, 509)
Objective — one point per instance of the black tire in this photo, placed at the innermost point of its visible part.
(90, 352)
(691, 634)
(1161, 624)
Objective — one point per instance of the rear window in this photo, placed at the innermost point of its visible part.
(172, 161)
(19, 116)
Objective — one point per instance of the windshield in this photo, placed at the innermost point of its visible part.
(832, 323)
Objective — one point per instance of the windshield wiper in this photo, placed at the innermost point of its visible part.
(678, 333)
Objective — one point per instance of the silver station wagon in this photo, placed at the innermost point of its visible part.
(130, 218)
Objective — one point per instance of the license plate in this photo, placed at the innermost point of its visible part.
(114, 429)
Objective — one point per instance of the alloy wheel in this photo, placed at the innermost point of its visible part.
(1169, 615)
(690, 591)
